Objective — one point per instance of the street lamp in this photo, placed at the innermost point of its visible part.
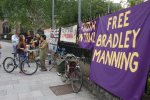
(52, 13)
(79, 12)
(108, 6)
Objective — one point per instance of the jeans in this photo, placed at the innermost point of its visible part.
(21, 59)
(15, 51)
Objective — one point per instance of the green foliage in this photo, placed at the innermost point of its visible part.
(134, 2)
(148, 86)
(68, 11)
(30, 13)
(35, 14)
(11, 33)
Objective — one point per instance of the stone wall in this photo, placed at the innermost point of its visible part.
(98, 92)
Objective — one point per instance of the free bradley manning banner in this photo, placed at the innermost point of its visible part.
(87, 34)
(68, 34)
(121, 54)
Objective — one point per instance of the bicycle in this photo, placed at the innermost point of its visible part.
(28, 65)
(73, 71)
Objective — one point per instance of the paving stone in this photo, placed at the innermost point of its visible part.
(29, 95)
(47, 98)
(38, 87)
(9, 97)
(3, 92)
(47, 92)
(10, 82)
(24, 85)
(3, 87)
(18, 90)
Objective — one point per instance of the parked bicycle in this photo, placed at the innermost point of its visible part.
(28, 65)
(73, 71)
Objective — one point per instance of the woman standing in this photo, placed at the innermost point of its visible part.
(21, 47)
(0, 53)
(43, 47)
(0, 46)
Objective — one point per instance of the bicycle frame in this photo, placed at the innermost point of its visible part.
(70, 72)
(24, 58)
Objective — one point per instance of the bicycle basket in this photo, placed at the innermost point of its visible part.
(61, 65)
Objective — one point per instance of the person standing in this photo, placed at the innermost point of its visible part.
(0, 46)
(28, 38)
(15, 40)
(38, 39)
(21, 47)
(43, 47)
(0, 53)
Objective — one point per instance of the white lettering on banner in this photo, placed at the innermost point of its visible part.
(54, 40)
(47, 32)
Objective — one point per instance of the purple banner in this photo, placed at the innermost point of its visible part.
(121, 54)
(87, 34)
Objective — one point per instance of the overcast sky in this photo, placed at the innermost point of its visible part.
(118, 1)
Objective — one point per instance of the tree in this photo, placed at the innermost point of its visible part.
(35, 14)
(134, 2)
(32, 14)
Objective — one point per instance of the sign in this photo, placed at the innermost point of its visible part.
(87, 34)
(121, 55)
(47, 33)
(5, 36)
(69, 34)
(54, 40)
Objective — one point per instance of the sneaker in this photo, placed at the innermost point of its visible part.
(59, 74)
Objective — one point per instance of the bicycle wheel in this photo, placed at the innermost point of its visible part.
(29, 66)
(77, 79)
(9, 64)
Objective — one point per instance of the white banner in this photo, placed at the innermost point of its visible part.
(54, 40)
(68, 34)
(47, 32)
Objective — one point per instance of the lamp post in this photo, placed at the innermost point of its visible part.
(108, 6)
(90, 11)
(79, 12)
(52, 13)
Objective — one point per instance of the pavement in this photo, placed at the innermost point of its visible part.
(16, 86)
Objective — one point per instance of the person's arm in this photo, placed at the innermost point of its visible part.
(26, 39)
(0, 46)
(42, 46)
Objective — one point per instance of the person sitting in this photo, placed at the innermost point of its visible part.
(43, 53)
(28, 38)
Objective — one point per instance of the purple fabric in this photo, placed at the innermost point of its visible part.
(87, 34)
(127, 82)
